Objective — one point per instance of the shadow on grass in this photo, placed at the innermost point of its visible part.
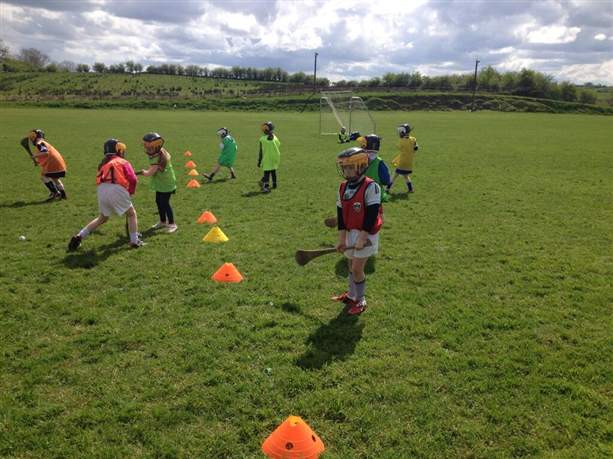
(251, 194)
(19, 204)
(215, 181)
(335, 340)
(91, 258)
(399, 197)
(342, 270)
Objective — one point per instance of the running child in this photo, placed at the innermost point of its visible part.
(269, 156)
(359, 219)
(51, 162)
(116, 182)
(404, 160)
(163, 179)
(227, 154)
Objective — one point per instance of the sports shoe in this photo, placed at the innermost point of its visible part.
(171, 228)
(137, 244)
(343, 298)
(208, 177)
(63, 194)
(159, 225)
(357, 308)
(53, 197)
(74, 243)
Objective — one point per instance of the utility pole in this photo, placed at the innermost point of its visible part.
(315, 73)
(472, 105)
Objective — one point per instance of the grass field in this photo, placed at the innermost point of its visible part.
(488, 332)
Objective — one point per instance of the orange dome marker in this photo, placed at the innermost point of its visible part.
(292, 439)
(193, 184)
(187, 153)
(227, 273)
(190, 165)
(193, 173)
(207, 217)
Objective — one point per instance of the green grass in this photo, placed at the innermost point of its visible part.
(488, 332)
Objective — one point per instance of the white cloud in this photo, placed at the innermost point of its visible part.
(553, 34)
(594, 73)
(600, 36)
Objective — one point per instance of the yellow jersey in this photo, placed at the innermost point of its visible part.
(407, 147)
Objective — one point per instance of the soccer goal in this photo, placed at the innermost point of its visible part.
(342, 108)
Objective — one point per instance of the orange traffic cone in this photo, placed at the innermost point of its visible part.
(190, 164)
(207, 217)
(227, 273)
(193, 173)
(187, 153)
(193, 184)
(292, 439)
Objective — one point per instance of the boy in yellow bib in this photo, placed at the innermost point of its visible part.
(407, 145)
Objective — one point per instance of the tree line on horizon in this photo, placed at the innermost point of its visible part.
(526, 82)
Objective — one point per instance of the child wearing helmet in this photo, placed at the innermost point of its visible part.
(377, 169)
(227, 154)
(51, 162)
(359, 219)
(116, 182)
(163, 179)
(269, 156)
(407, 145)
(343, 136)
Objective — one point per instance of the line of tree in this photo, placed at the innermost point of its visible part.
(526, 82)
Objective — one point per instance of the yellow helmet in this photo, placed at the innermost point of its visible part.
(354, 157)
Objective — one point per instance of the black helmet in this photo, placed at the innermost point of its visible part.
(370, 142)
(354, 135)
(153, 142)
(114, 147)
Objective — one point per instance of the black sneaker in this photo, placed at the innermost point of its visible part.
(63, 194)
(53, 197)
(74, 243)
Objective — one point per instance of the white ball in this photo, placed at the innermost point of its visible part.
(22, 238)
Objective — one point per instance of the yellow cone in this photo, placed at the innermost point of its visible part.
(193, 173)
(215, 235)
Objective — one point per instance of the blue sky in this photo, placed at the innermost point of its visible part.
(571, 40)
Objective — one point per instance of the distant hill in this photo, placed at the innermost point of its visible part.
(94, 90)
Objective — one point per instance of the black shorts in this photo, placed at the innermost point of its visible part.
(56, 174)
(403, 171)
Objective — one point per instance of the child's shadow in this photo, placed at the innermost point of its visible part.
(19, 204)
(216, 181)
(398, 197)
(91, 258)
(251, 194)
(335, 340)
(342, 270)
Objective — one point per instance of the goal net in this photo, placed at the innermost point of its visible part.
(342, 108)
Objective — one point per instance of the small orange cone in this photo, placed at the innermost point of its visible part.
(292, 439)
(207, 217)
(187, 153)
(193, 173)
(227, 273)
(193, 184)
(190, 164)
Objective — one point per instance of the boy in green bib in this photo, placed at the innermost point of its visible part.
(269, 156)
(227, 154)
(163, 179)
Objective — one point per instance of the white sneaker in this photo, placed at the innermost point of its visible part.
(159, 225)
(171, 228)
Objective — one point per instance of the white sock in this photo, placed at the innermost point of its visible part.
(133, 238)
(84, 232)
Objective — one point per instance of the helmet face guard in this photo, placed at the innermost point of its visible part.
(35, 134)
(403, 130)
(153, 143)
(267, 127)
(352, 163)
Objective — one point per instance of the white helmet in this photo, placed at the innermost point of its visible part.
(222, 132)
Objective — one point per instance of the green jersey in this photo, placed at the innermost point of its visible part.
(164, 179)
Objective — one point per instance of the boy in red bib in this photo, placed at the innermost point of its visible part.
(359, 216)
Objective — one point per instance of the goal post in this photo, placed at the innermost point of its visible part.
(342, 108)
